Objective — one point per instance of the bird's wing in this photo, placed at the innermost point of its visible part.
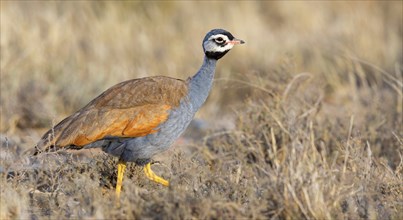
(132, 108)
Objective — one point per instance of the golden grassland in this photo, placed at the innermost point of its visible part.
(304, 121)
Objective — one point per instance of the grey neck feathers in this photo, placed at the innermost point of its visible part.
(201, 83)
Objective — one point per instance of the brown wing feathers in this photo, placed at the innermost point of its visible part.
(132, 108)
(130, 122)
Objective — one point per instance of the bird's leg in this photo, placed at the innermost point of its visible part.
(121, 171)
(152, 176)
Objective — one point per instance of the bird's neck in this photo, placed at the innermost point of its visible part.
(201, 83)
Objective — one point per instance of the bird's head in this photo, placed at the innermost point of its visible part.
(218, 42)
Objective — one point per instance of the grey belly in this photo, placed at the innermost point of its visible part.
(144, 148)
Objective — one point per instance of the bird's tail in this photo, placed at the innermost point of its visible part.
(47, 143)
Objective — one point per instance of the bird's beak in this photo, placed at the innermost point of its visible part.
(236, 41)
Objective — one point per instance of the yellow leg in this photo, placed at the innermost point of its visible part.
(152, 176)
(121, 171)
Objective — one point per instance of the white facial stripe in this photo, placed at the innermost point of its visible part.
(213, 47)
(225, 37)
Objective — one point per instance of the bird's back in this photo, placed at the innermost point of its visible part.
(130, 109)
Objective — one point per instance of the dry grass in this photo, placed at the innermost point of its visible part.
(304, 121)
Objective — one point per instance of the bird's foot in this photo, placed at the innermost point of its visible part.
(152, 176)
(121, 171)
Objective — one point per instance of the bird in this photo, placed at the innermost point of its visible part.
(136, 119)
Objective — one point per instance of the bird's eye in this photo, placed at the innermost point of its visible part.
(219, 40)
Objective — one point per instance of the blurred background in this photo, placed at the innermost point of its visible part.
(57, 56)
(318, 73)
